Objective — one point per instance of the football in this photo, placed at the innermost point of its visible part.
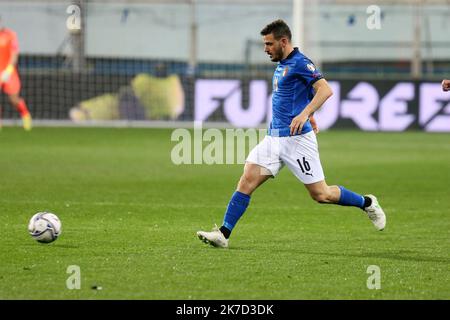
(44, 227)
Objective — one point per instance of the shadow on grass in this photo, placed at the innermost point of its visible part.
(402, 255)
(66, 246)
(53, 245)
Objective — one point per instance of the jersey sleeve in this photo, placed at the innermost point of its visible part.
(307, 72)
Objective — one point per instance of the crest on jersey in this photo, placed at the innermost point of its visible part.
(311, 67)
(285, 71)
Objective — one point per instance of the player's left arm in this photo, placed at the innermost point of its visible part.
(322, 93)
(6, 73)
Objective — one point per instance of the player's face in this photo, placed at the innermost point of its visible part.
(273, 47)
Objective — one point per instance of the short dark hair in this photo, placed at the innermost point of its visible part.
(279, 28)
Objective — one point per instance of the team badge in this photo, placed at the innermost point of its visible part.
(285, 71)
(311, 67)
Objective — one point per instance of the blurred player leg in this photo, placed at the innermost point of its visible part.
(20, 105)
(12, 89)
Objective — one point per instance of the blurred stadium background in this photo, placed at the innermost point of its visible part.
(150, 62)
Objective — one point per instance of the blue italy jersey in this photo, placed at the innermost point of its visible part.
(292, 91)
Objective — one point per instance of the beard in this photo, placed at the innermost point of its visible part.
(277, 55)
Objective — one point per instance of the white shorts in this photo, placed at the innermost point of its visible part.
(300, 153)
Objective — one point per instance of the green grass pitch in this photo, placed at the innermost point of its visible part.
(129, 220)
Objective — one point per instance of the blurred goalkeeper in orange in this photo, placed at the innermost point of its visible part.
(9, 78)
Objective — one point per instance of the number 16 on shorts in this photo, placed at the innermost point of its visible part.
(304, 166)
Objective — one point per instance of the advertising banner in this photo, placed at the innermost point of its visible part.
(366, 105)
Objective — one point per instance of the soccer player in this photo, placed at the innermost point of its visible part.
(446, 85)
(9, 78)
(299, 89)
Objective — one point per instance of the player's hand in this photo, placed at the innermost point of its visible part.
(297, 123)
(446, 85)
(314, 124)
(4, 77)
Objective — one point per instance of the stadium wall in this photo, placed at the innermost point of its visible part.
(161, 30)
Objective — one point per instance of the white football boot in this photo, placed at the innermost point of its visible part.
(375, 213)
(214, 238)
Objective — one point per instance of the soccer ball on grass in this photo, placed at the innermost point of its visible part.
(44, 227)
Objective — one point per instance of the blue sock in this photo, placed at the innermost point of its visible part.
(349, 198)
(236, 208)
